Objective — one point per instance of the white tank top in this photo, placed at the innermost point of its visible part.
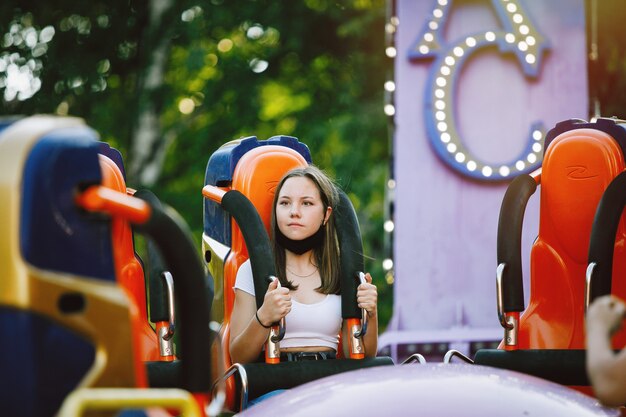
(317, 324)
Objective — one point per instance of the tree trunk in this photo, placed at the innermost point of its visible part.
(148, 143)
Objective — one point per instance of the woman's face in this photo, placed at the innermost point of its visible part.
(299, 208)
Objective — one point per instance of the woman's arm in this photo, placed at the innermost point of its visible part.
(606, 370)
(247, 334)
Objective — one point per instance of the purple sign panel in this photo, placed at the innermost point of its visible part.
(477, 85)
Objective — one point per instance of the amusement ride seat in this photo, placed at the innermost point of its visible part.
(157, 344)
(129, 268)
(240, 180)
(72, 328)
(548, 338)
(49, 311)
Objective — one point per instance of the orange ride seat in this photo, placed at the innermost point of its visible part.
(578, 166)
(547, 338)
(128, 267)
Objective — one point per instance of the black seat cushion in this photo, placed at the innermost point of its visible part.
(264, 378)
(563, 366)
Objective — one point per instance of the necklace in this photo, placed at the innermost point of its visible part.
(301, 276)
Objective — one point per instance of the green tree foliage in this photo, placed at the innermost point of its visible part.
(607, 66)
(313, 69)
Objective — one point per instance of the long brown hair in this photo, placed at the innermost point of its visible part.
(326, 255)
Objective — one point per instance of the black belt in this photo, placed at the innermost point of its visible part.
(306, 356)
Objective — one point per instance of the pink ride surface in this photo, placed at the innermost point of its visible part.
(431, 390)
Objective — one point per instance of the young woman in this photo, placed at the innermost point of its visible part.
(606, 369)
(306, 255)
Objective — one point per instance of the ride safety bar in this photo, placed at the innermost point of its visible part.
(363, 330)
(214, 193)
(83, 399)
(277, 333)
(99, 198)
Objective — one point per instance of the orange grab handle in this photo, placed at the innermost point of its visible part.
(159, 325)
(536, 175)
(214, 193)
(268, 359)
(115, 203)
(515, 315)
(355, 352)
